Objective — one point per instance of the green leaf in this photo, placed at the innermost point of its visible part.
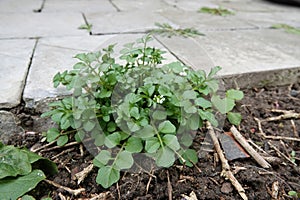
(102, 158)
(206, 115)
(13, 162)
(190, 156)
(194, 122)
(134, 112)
(189, 107)
(79, 136)
(124, 160)
(189, 94)
(203, 103)
(12, 188)
(44, 164)
(112, 140)
(215, 11)
(146, 132)
(234, 118)
(27, 197)
(107, 176)
(214, 71)
(62, 140)
(152, 144)
(186, 140)
(213, 85)
(134, 145)
(223, 105)
(99, 139)
(89, 125)
(235, 94)
(165, 157)
(166, 127)
(159, 115)
(52, 134)
(171, 141)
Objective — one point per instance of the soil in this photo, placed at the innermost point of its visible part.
(204, 179)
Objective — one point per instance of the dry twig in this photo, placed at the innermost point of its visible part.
(149, 181)
(59, 147)
(287, 115)
(225, 166)
(101, 196)
(169, 186)
(262, 134)
(281, 154)
(260, 160)
(71, 191)
(81, 175)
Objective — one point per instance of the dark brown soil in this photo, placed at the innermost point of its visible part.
(204, 180)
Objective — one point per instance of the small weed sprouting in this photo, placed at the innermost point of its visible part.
(169, 31)
(294, 194)
(136, 108)
(87, 27)
(216, 11)
(287, 28)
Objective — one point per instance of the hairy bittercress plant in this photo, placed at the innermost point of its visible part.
(138, 107)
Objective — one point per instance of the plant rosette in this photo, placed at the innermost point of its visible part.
(140, 112)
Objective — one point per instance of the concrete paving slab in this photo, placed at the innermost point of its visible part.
(15, 57)
(83, 6)
(267, 19)
(192, 5)
(132, 5)
(17, 6)
(256, 6)
(56, 55)
(206, 22)
(237, 52)
(279, 39)
(124, 22)
(24, 25)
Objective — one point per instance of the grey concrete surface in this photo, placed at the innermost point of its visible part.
(15, 59)
(242, 44)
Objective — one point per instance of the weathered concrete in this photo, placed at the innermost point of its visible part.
(206, 22)
(81, 6)
(55, 55)
(192, 6)
(267, 19)
(236, 52)
(27, 25)
(124, 22)
(15, 57)
(146, 6)
(16, 6)
(8, 126)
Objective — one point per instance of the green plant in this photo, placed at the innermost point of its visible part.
(293, 156)
(21, 170)
(167, 30)
(287, 28)
(87, 27)
(137, 107)
(216, 11)
(294, 194)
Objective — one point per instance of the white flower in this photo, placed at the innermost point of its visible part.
(101, 74)
(159, 99)
(183, 73)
